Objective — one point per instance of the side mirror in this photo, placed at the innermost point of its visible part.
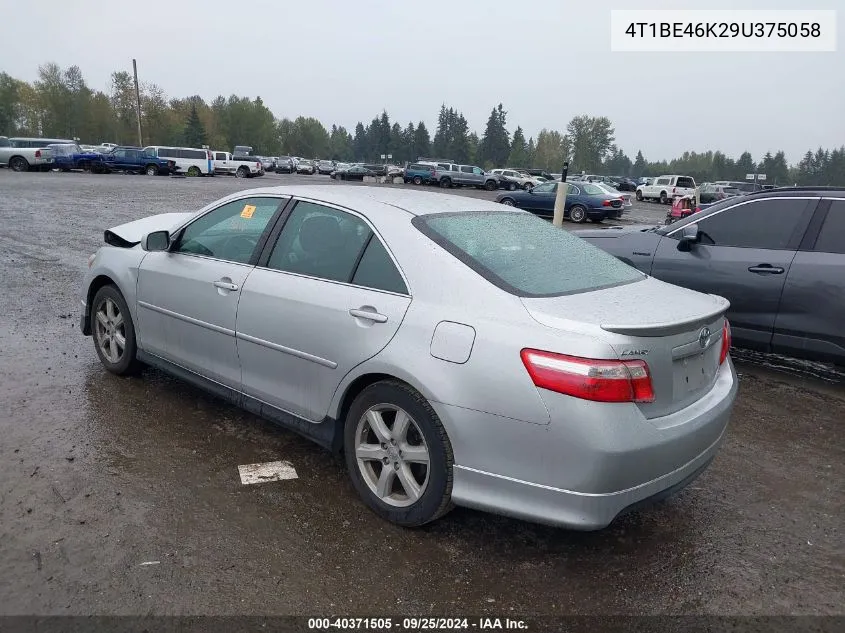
(689, 236)
(156, 241)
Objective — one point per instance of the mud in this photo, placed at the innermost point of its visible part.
(100, 475)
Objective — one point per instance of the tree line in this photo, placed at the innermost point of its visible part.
(60, 104)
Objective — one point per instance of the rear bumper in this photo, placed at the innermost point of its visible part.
(590, 464)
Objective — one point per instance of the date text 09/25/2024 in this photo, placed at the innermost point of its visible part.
(416, 624)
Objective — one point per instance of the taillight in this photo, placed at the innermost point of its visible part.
(605, 203)
(726, 342)
(590, 379)
(38, 153)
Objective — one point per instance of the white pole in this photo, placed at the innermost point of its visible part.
(560, 198)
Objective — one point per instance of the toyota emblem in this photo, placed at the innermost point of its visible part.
(704, 337)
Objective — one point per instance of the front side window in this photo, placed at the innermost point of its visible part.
(546, 187)
(525, 255)
(768, 224)
(321, 242)
(477, 171)
(231, 231)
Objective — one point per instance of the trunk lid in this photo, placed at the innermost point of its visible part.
(677, 332)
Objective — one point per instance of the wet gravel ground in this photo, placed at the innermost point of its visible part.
(100, 475)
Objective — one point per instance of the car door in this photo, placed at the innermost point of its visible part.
(812, 310)
(118, 159)
(744, 254)
(325, 297)
(541, 199)
(221, 162)
(188, 296)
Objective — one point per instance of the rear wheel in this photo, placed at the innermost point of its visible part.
(526, 186)
(152, 170)
(577, 213)
(511, 186)
(398, 454)
(491, 185)
(114, 332)
(640, 196)
(664, 199)
(446, 183)
(18, 163)
(417, 180)
(194, 171)
(242, 172)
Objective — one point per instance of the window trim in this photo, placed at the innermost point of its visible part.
(281, 222)
(176, 234)
(733, 206)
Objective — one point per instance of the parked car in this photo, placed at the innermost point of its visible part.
(24, 153)
(644, 180)
(419, 174)
(267, 163)
(621, 183)
(664, 188)
(511, 179)
(285, 165)
(305, 167)
(247, 166)
(520, 370)
(325, 167)
(466, 176)
(135, 160)
(778, 256)
(542, 173)
(68, 156)
(352, 172)
(713, 192)
(584, 200)
(742, 186)
(627, 197)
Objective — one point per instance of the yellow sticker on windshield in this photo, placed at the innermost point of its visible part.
(248, 211)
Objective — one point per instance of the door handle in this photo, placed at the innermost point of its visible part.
(369, 315)
(226, 285)
(766, 268)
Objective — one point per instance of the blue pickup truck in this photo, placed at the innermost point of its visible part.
(136, 160)
(68, 156)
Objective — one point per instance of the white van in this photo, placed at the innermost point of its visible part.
(190, 161)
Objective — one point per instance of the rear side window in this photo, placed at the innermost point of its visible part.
(376, 270)
(166, 152)
(767, 224)
(832, 236)
(525, 255)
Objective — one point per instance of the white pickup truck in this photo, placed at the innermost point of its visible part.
(24, 154)
(664, 188)
(240, 166)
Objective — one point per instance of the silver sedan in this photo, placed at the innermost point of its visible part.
(456, 351)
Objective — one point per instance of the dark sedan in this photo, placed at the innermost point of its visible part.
(778, 256)
(355, 172)
(584, 201)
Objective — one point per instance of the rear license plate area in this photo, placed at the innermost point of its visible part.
(694, 373)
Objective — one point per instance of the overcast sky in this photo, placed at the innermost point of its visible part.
(323, 58)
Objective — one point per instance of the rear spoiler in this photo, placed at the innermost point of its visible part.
(670, 327)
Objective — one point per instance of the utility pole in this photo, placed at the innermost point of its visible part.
(138, 102)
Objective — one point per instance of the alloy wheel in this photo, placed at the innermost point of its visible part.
(110, 331)
(392, 455)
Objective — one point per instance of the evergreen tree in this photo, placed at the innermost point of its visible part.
(422, 142)
(519, 150)
(531, 153)
(194, 133)
(360, 143)
(639, 168)
(495, 144)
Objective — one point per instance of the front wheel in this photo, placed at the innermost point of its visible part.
(527, 186)
(491, 185)
(577, 213)
(398, 454)
(446, 183)
(511, 186)
(114, 332)
(417, 180)
(507, 202)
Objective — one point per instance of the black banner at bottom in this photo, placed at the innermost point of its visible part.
(539, 624)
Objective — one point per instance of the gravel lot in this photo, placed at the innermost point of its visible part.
(99, 475)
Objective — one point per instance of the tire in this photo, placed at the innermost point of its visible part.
(417, 180)
(152, 170)
(511, 186)
(370, 422)
(491, 185)
(639, 196)
(577, 213)
(526, 186)
(446, 183)
(508, 202)
(664, 199)
(194, 171)
(116, 321)
(242, 172)
(18, 163)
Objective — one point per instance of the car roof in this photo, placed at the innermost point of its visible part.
(377, 200)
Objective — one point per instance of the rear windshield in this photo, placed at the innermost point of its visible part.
(687, 183)
(525, 255)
